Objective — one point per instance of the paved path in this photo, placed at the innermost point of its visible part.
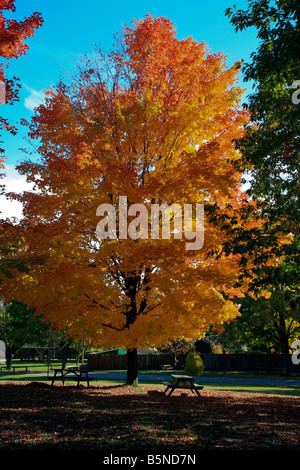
(231, 380)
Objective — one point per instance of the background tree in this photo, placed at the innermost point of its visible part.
(268, 325)
(270, 149)
(154, 121)
(19, 327)
(177, 348)
(81, 348)
(12, 45)
(270, 146)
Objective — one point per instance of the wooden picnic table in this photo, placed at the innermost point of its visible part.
(182, 382)
(60, 374)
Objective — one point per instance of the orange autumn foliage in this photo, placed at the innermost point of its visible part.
(155, 121)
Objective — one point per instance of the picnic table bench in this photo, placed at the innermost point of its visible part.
(80, 375)
(182, 382)
(25, 368)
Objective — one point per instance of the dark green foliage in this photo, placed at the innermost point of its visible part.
(268, 325)
(24, 327)
(271, 148)
(271, 157)
(19, 327)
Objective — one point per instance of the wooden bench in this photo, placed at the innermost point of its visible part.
(188, 387)
(13, 368)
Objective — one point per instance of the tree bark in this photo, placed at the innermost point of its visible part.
(132, 367)
(9, 357)
(64, 351)
(284, 343)
(286, 359)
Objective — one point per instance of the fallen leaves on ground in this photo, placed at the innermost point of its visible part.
(37, 416)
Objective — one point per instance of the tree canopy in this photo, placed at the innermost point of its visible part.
(271, 144)
(270, 149)
(155, 120)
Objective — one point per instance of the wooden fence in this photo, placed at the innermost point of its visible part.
(119, 362)
(234, 362)
(246, 362)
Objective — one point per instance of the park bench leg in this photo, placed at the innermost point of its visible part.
(171, 391)
(80, 378)
(53, 379)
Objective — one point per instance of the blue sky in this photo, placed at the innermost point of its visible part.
(72, 26)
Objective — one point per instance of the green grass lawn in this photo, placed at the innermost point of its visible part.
(38, 367)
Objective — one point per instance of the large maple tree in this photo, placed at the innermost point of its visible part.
(154, 121)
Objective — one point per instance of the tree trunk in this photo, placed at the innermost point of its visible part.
(132, 367)
(286, 359)
(284, 343)
(64, 352)
(9, 357)
(82, 354)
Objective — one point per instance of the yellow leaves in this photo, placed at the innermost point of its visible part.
(266, 294)
(27, 279)
(161, 134)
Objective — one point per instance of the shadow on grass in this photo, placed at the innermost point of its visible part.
(36, 416)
